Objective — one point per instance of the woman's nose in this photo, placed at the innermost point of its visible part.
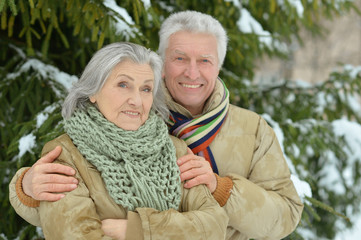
(135, 99)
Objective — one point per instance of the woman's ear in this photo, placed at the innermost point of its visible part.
(92, 99)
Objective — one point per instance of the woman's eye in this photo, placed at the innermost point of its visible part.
(148, 89)
(122, 85)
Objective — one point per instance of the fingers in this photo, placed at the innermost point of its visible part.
(192, 164)
(209, 179)
(46, 186)
(50, 156)
(194, 169)
(51, 197)
(53, 179)
(200, 179)
(49, 191)
(47, 168)
(45, 178)
(188, 157)
(189, 151)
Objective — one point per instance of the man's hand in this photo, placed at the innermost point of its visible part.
(115, 228)
(196, 170)
(43, 180)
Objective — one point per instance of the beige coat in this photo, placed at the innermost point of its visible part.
(79, 214)
(264, 203)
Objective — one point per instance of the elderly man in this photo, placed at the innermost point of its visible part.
(237, 156)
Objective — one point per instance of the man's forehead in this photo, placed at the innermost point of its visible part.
(206, 55)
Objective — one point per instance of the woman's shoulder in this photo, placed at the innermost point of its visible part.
(180, 146)
(63, 140)
(69, 154)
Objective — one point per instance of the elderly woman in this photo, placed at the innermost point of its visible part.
(124, 159)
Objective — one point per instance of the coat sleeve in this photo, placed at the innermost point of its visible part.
(29, 214)
(265, 205)
(200, 217)
(74, 216)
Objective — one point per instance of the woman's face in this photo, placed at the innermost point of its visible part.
(127, 95)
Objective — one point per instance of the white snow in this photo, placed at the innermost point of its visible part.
(302, 187)
(26, 143)
(247, 24)
(43, 116)
(297, 4)
(46, 71)
(122, 27)
(146, 4)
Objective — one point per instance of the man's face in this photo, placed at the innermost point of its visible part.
(191, 68)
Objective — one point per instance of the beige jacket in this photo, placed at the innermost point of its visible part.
(79, 214)
(263, 203)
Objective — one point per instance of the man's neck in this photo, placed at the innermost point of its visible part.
(195, 111)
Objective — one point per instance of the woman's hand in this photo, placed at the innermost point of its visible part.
(44, 180)
(115, 228)
(196, 170)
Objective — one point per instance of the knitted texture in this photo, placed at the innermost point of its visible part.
(138, 167)
(223, 190)
(25, 199)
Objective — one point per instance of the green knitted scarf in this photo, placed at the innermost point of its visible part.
(138, 167)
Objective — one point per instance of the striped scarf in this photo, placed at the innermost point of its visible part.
(199, 132)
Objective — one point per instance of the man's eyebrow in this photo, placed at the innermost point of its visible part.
(207, 56)
(180, 52)
(203, 55)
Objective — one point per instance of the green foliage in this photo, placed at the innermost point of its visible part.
(43, 42)
(306, 114)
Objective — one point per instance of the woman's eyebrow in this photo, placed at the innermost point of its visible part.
(132, 79)
(125, 75)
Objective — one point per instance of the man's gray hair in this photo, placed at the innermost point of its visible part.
(101, 65)
(195, 22)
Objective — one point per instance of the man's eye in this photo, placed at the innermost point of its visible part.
(179, 58)
(205, 60)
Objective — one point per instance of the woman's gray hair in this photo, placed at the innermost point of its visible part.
(195, 22)
(101, 65)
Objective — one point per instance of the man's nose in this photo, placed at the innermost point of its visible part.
(192, 71)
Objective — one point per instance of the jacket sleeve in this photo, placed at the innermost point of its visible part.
(199, 217)
(29, 214)
(265, 205)
(74, 216)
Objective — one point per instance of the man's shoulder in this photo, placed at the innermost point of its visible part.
(240, 121)
(245, 113)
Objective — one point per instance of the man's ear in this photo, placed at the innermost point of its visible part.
(163, 73)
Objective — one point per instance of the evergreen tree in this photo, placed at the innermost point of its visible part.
(44, 46)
